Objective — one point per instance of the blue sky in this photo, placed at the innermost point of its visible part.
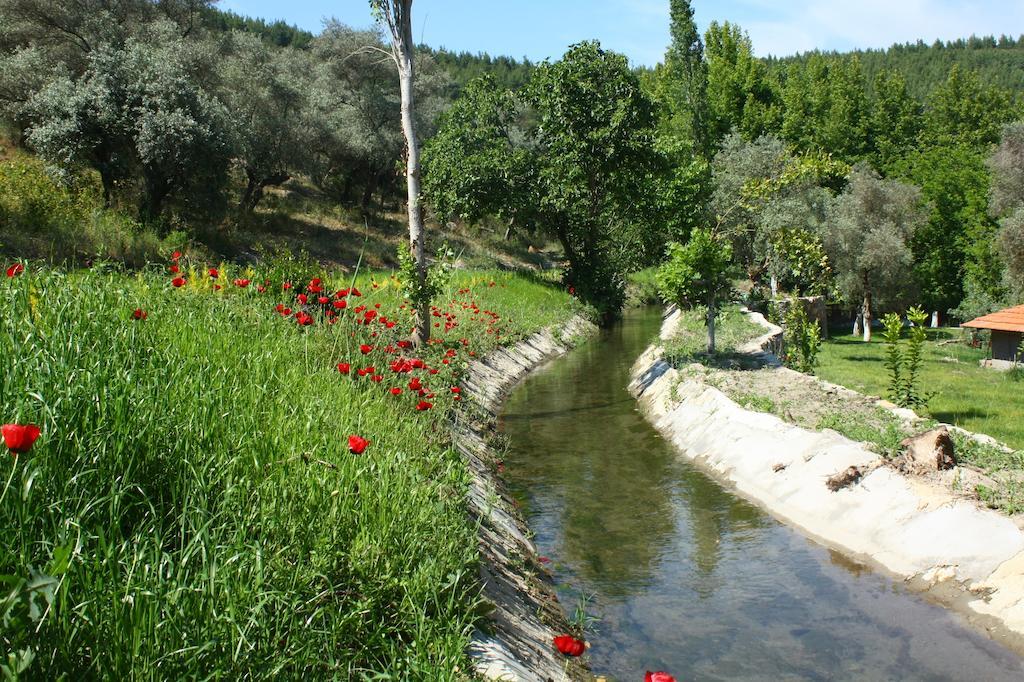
(639, 28)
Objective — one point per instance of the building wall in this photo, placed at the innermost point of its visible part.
(1005, 345)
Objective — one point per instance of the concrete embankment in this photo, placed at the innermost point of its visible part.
(964, 555)
(524, 617)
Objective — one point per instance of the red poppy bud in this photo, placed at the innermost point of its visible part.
(217, 287)
(658, 677)
(139, 314)
(356, 444)
(178, 282)
(365, 349)
(19, 437)
(569, 645)
(15, 270)
(344, 367)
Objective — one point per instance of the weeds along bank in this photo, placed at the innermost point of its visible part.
(197, 505)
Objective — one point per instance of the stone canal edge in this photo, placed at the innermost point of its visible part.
(515, 642)
(960, 554)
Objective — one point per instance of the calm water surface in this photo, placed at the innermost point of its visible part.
(683, 576)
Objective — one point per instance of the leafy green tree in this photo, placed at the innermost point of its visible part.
(956, 242)
(965, 111)
(826, 108)
(895, 120)
(1006, 164)
(139, 112)
(686, 74)
(740, 94)
(698, 273)
(1010, 241)
(265, 90)
(867, 238)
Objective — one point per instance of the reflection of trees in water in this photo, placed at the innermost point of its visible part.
(715, 515)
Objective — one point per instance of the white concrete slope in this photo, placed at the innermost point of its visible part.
(912, 529)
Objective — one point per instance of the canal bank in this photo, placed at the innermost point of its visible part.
(962, 555)
(677, 573)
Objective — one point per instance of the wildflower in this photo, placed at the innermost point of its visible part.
(139, 314)
(376, 378)
(344, 367)
(19, 437)
(456, 390)
(341, 304)
(175, 256)
(178, 282)
(569, 645)
(423, 405)
(303, 319)
(356, 444)
(241, 282)
(396, 391)
(15, 270)
(323, 300)
(365, 349)
(175, 269)
(214, 273)
(302, 298)
(658, 677)
(356, 292)
(286, 286)
(415, 384)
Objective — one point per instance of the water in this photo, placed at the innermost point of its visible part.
(681, 575)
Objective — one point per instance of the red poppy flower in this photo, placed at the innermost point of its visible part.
(433, 371)
(356, 444)
(323, 300)
(456, 390)
(569, 645)
(214, 274)
(344, 367)
(261, 288)
(658, 677)
(286, 286)
(15, 270)
(341, 304)
(241, 282)
(415, 384)
(217, 287)
(178, 282)
(404, 344)
(175, 269)
(19, 437)
(423, 405)
(370, 314)
(303, 319)
(302, 298)
(356, 292)
(396, 391)
(341, 293)
(376, 378)
(139, 314)
(418, 364)
(365, 349)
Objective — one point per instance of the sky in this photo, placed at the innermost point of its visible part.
(541, 29)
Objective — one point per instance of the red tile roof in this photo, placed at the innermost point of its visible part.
(1009, 320)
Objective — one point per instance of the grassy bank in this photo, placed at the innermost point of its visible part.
(689, 344)
(193, 507)
(963, 393)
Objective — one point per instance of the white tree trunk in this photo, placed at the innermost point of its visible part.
(856, 324)
(867, 317)
(775, 286)
(935, 319)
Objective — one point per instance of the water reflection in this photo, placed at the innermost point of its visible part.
(687, 577)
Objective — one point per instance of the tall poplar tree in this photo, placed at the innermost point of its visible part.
(688, 72)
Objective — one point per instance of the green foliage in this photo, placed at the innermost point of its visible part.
(685, 80)
(883, 432)
(802, 339)
(904, 363)
(741, 95)
(438, 276)
(964, 110)
(698, 273)
(733, 329)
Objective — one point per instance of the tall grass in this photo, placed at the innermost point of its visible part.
(193, 496)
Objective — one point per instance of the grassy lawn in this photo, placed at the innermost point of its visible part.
(732, 330)
(964, 393)
(193, 508)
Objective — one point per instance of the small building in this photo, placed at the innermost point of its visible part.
(1007, 327)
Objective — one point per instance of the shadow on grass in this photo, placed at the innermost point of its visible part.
(952, 417)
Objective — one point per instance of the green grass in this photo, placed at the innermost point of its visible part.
(193, 499)
(963, 393)
(732, 329)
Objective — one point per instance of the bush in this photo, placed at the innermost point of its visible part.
(802, 339)
(904, 363)
(41, 217)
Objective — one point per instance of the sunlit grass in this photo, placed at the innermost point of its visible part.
(962, 392)
(196, 465)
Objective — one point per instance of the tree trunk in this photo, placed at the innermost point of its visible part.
(404, 49)
(856, 324)
(253, 192)
(775, 286)
(712, 312)
(935, 319)
(867, 316)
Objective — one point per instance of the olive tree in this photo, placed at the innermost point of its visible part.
(867, 238)
(140, 113)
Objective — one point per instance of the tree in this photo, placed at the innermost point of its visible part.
(740, 95)
(687, 73)
(397, 16)
(1007, 203)
(895, 120)
(139, 112)
(962, 110)
(265, 90)
(698, 273)
(867, 239)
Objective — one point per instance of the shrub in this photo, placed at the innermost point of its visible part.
(802, 339)
(904, 363)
